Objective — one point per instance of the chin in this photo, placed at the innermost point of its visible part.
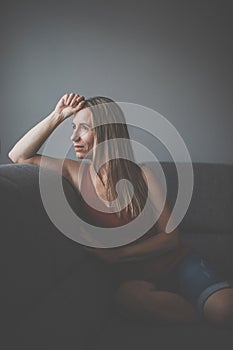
(84, 156)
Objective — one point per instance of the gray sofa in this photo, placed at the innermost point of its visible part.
(54, 295)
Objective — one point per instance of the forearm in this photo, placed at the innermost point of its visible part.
(154, 246)
(31, 142)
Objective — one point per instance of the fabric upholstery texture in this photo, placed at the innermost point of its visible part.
(56, 296)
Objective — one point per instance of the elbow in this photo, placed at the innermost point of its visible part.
(14, 158)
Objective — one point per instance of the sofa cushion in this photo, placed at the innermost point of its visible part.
(72, 314)
(136, 335)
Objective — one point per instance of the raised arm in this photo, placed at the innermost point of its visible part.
(25, 150)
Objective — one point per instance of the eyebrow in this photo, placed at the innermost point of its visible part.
(81, 124)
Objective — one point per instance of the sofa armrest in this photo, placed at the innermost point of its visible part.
(34, 255)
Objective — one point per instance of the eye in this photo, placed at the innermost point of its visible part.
(82, 126)
(85, 127)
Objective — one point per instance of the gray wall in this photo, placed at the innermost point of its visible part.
(172, 56)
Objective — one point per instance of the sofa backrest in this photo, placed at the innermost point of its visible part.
(211, 205)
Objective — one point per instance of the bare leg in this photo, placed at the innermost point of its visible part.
(140, 300)
(218, 308)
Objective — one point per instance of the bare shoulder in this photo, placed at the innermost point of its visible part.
(150, 177)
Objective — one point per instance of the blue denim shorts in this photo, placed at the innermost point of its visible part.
(195, 279)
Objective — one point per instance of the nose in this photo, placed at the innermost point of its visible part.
(75, 136)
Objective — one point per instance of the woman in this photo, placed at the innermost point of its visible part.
(161, 278)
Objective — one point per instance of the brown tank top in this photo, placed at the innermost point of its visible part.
(154, 267)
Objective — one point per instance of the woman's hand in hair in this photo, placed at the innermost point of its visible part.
(68, 105)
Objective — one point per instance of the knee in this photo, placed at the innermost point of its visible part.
(218, 308)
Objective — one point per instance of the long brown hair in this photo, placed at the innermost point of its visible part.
(109, 123)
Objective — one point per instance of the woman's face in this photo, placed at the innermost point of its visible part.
(83, 134)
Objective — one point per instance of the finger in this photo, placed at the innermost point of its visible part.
(78, 98)
(75, 103)
(63, 100)
(74, 100)
(66, 97)
(70, 98)
(79, 106)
